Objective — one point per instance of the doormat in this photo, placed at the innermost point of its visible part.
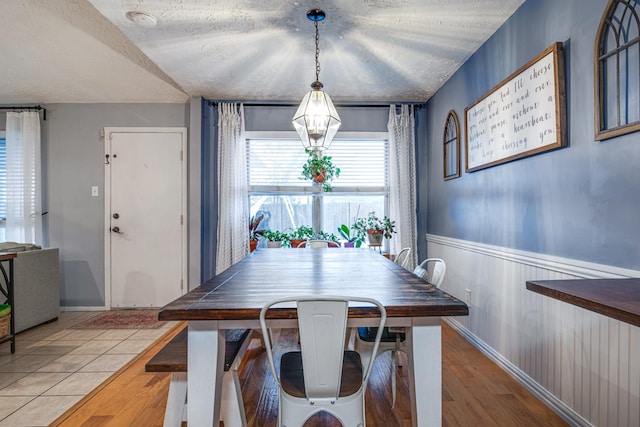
(122, 319)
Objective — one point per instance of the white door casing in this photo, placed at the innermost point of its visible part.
(145, 216)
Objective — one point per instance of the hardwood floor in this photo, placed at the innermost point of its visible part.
(476, 392)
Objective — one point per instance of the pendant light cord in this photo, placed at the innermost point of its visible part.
(317, 52)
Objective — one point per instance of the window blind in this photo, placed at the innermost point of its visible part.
(279, 162)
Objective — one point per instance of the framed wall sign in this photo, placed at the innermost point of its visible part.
(525, 114)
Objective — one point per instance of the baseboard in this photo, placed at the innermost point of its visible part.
(551, 401)
(91, 308)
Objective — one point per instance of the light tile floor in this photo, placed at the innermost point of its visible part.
(54, 366)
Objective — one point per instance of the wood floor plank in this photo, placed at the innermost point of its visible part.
(475, 392)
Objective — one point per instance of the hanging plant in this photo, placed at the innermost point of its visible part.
(320, 169)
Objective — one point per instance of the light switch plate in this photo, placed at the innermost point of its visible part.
(94, 191)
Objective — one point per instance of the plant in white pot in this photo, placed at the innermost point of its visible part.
(275, 239)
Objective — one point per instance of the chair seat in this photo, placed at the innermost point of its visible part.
(368, 334)
(322, 376)
(292, 379)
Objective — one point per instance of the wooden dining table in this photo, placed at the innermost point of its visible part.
(234, 298)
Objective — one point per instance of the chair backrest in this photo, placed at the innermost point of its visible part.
(323, 324)
(402, 259)
(318, 243)
(432, 270)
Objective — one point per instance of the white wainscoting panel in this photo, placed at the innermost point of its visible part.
(583, 365)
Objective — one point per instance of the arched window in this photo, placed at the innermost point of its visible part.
(617, 70)
(451, 147)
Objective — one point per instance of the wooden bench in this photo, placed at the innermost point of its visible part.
(173, 358)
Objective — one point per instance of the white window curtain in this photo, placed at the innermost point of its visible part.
(24, 210)
(233, 211)
(402, 180)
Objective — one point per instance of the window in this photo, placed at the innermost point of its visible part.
(3, 185)
(451, 147)
(278, 190)
(617, 70)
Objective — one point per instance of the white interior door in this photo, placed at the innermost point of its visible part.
(145, 183)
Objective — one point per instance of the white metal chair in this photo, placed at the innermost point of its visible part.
(322, 376)
(432, 270)
(403, 257)
(396, 339)
(318, 243)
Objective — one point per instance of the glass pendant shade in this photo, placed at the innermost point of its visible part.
(316, 120)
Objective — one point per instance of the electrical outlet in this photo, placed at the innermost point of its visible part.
(468, 296)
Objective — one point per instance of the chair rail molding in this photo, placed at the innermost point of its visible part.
(579, 269)
(567, 356)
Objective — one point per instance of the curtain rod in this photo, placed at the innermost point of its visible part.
(257, 104)
(22, 108)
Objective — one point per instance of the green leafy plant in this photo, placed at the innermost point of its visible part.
(275, 236)
(301, 233)
(322, 235)
(345, 232)
(320, 169)
(373, 224)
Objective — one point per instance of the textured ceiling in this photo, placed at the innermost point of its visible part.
(370, 50)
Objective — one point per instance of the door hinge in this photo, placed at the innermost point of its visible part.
(181, 284)
(181, 155)
(181, 220)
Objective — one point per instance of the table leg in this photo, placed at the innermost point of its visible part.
(426, 368)
(205, 358)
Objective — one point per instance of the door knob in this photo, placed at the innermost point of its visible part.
(117, 230)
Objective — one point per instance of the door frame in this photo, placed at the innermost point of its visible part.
(107, 201)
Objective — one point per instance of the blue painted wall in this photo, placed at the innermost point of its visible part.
(580, 202)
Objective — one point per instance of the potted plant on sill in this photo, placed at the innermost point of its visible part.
(374, 228)
(351, 240)
(254, 233)
(275, 239)
(299, 235)
(323, 235)
(320, 169)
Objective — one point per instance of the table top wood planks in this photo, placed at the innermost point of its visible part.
(242, 290)
(615, 298)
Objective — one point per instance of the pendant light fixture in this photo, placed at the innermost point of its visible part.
(316, 120)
